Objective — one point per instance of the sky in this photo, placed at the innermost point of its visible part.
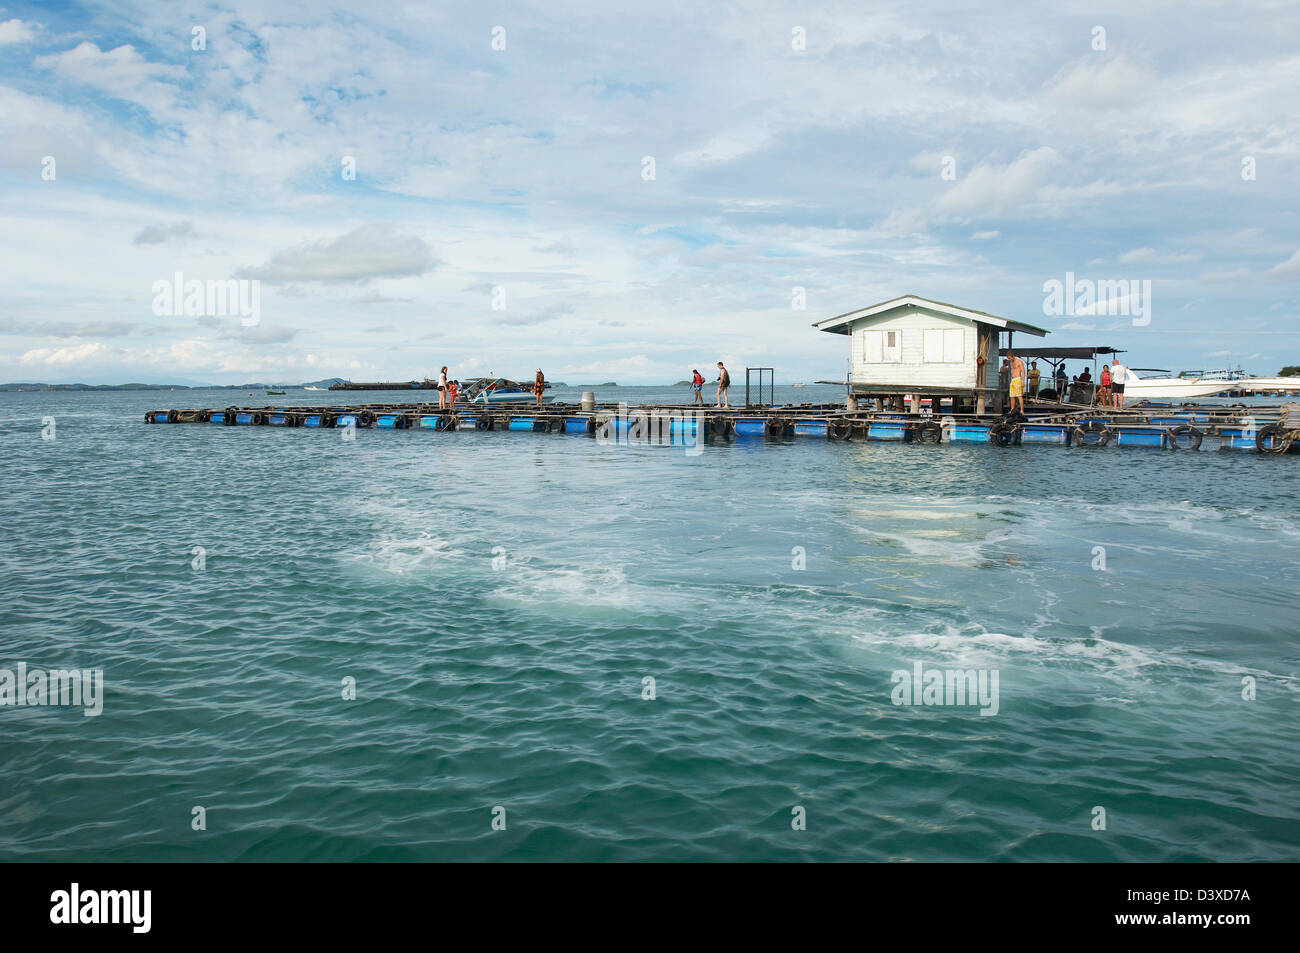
(626, 191)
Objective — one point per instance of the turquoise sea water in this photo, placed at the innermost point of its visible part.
(500, 598)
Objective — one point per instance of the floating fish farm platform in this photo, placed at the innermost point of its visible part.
(1274, 430)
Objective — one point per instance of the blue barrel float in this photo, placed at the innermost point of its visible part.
(684, 427)
(1055, 434)
(1237, 438)
(579, 425)
(390, 421)
(1130, 436)
(751, 426)
(968, 433)
(894, 428)
(527, 423)
(810, 428)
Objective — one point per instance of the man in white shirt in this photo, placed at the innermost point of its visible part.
(1118, 378)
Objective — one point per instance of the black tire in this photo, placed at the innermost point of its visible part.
(555, 424)
(928, 431)
(1272, 438)
(774, 426)
(1004, 434)
(483, 423)
(1193, 437)
(838, 430)
(1083, 435)
(721, 426)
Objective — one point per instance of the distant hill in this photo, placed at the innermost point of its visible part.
(39, 386)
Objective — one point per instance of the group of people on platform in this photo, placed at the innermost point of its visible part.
(449, 390)
(723, 380)
(1017, 380)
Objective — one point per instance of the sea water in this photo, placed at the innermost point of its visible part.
(487, 646)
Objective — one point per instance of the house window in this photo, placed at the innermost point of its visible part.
(882, 347)
(944, 345)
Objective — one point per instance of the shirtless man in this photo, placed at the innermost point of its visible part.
(1017, 387)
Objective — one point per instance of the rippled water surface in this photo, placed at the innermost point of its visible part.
(500, 598)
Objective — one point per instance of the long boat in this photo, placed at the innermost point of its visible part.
(1168, 387)
(1268, 385)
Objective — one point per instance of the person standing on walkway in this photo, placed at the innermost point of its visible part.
(1016, 386)
(442, 388)
(539, 385)
(1118, 378)
(724, 383)
(697, 385)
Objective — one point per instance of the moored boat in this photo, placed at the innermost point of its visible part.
(498, 390)
(1162, 385)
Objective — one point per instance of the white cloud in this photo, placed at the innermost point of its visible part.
(162, 234)
(121, 73)
(63, 356)
(1288, 269)
(1100, 80)
(16, 31)
(984, 236)
(363, 254)
(1149, 256)
(994, 189)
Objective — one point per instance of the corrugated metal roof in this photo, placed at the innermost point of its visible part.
(840, 324)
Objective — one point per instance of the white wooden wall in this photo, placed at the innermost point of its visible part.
(929, 350)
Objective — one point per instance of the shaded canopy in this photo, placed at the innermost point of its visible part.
(1062, 353)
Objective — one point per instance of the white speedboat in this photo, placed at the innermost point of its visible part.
(1268, 385)
(499, 390)
(1163, 386)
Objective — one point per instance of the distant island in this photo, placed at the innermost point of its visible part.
(37, 386)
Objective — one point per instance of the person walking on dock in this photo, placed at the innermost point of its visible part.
(1016, 387)
(697, 385)
(442, 388)
(724, 383)
(539, 385)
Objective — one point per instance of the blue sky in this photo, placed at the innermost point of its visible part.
(522, 169)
